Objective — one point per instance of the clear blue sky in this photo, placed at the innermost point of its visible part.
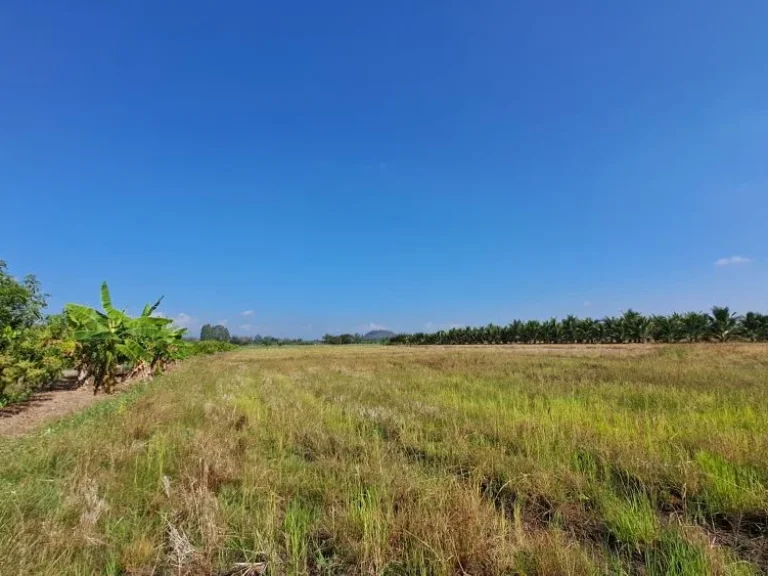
(334, 166)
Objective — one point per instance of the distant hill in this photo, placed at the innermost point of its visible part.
(378, 335)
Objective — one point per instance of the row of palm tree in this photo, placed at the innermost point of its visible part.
(719, 325)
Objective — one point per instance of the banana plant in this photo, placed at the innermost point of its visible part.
(98, 335)
(109, 339)
(155, 343)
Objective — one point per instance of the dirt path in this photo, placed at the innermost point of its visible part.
(60, 400)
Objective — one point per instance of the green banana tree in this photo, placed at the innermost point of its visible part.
(99, 337)
(159, 343)
(108, 340)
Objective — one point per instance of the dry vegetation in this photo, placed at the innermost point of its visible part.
(380, 460)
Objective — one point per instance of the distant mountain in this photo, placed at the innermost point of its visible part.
(378, 335)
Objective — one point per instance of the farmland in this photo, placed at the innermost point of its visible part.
(632, 459)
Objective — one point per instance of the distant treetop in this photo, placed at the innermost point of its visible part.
(217, 332)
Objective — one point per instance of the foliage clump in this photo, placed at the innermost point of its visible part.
(210, 347)
(33, 349)
(218, 332)
(111, 345)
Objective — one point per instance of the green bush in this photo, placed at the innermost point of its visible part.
(210, 347)
(33, 349)
(29, 359)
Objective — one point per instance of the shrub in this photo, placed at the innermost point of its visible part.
(32, 351)
(210, 347)
(29, 358)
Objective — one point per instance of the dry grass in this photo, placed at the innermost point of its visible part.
(379, 460)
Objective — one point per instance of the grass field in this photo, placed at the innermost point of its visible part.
(387, 460)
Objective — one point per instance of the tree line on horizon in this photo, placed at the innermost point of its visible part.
(373, 337)
(220, 333)
(719, 325)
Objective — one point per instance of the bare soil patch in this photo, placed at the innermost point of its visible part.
(60, 399)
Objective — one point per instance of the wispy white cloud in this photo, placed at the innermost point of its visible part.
(374, 326)
(223, 322)
(248, 313)
(587, 304)
(183, 320)
(732, 260)
(246, 327)
(159, 314)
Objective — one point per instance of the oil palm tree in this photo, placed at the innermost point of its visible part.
(723, 324)
(694, 326)
(612, 330)
(569, 329)
(550, 331)
(634, 326)
(531, 332)
(667, 328)
(755, 326)
(591, 330)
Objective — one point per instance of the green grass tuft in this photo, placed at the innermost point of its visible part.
(633, 521)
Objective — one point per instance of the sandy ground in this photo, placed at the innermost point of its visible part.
(60, 400)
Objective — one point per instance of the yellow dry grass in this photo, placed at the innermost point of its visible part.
(388, 460)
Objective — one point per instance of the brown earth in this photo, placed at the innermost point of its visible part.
(59, 400)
